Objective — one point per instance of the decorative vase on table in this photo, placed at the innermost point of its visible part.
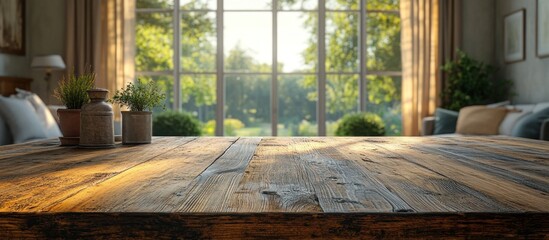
(136, 127)
(96, 121)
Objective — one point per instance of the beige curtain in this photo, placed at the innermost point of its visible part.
(450, 33)
(420, 62)
(100, 34)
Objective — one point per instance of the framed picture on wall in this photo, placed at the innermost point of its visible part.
(12, 26)
(514, 42)
(542, 28)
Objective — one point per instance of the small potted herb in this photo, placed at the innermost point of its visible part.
(140, 98)
(72, 92)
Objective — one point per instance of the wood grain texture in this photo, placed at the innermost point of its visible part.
(38, 181)
(395, 187)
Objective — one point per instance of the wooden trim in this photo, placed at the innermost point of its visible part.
(537, 33)
(523, 36)
(9, 84)
(275, 225)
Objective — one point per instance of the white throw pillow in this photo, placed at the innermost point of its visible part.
(48, 121)
(22, 119)
(512, 117)
(540, 106)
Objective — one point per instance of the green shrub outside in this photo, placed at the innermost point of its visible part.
(231, 125)
(172, 123)
(361, 124)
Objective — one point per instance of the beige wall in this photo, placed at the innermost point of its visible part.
(531, 77)
(478, 24)
(45, 34)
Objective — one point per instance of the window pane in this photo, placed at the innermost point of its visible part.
(297, 42)
(165, 83)
(198, 41)
(342, 42)
(343, 4)
(297, 98)
(248, 41)
(383, 42)
(298, 5)
(198, 95)
(393, 5)
(154, 4)
(341, 98)
(247, 105)
(198, 4)
(154, 42)
(247, 4)
(384, 99)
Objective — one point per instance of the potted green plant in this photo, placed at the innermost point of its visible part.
(72, 92)
(140, 98)
(471, 82)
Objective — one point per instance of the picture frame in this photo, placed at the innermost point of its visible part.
(542, 28)
(12, 27)
(514, 34)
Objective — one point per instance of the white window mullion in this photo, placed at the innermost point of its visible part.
(274, 74)
(176, 56)
(220, 91)
(362, 87)
(321, 104)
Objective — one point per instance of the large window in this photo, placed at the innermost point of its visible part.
(273, 67)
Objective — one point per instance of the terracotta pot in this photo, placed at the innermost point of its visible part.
(136, 127)
(69, 122)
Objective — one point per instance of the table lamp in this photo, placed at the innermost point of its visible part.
(48, 64)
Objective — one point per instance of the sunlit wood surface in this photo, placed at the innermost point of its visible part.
(278, 187)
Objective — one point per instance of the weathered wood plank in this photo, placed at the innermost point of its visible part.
(516, 195)
(275, 226)
(274, 181)
(14, 150)
(495, 163)
(421, 188)
(340, 185)
(153, 186)
(212, 189)
(35, 182)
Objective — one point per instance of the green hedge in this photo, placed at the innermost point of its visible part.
(361, 124)
(172, 123)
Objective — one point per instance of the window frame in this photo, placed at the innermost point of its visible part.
(320, 72)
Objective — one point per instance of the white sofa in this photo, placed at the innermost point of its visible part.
(510, 121)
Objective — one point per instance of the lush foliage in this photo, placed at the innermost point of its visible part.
(472, 82)
(230, 125)
(361, 124)
(247, 97)
(139, 96)
(172, 123)
(72, 91)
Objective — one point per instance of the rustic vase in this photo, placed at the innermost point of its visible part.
(96, 121)
(136, 127)
(69, 124)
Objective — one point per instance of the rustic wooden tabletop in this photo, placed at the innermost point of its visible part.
(279, 187)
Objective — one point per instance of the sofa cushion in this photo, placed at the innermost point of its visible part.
(480, 120)
(22, 119)
(540, 106)
(445, 121)
(530, 125)
(5, 134)
(512, 117)
(48, 121)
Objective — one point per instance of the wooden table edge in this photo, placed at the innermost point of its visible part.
(274, 225)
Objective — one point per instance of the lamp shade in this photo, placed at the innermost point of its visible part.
(48, 62)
